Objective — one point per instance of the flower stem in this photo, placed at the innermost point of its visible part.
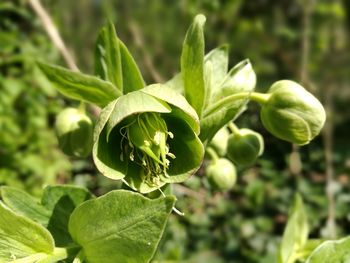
(212, 154)
(233, 128)
(82, 107)
(79, 257)
(254, 96)
(177, 211)
(258, 97)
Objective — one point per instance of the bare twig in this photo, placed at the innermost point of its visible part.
(53, 33)
(137, 35)
(328, 151)
(305, 41)
(56, 39)
(295, 163)
(328, 133)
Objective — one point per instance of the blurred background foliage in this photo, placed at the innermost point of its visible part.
(303, 40)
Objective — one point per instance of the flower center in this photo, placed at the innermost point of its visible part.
(147, 145)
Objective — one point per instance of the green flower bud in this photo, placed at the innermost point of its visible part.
(291, 113)
(221, 174)
(74, 131)
(244, 147)
(148, 138)
(219, 141)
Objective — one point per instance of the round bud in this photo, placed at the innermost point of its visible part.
(292, 113)
(74, 131)
(221, 174)
(243, 148)
(219, 141)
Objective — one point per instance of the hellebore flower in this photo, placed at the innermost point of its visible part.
(74, 130)
(148, 138)
(245, 146)
(219, 141)
(221, 174)
(292, 113)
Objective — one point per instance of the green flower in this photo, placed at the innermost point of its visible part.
(148, 138)
(221, 174)
(74, 131)
(245, 146)
(219, 141)
(291, 113)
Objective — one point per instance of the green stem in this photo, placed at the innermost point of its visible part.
(82, 107)
(233, 128)
(177, 211)
(211, 152)
(79, 257)
(254, 96)
(258, 97)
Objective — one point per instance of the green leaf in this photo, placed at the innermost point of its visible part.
(309, 247)
(240, 78)
(79, 86)
(24, 204)
(108, 63)
(208, 83)
(114, 62)
(212, 123)
(218, 57)
(120, 226)
(58, 202)
(61, 200)
(21, 237)
(295, 234)
(132, 78)
(54, 193)
(224, 106)
(57, 255)
(176, 83)
(192, 64)
(335, 251)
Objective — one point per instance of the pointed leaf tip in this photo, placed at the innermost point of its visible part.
(200, 19)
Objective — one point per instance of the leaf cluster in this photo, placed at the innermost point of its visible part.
(69, 224)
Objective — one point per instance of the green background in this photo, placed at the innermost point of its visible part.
(303, 40)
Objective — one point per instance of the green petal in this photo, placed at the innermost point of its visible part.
(187, 148)
(183, 108)
(133, 103)
(286, 125)
(106, 155)
(134, 180)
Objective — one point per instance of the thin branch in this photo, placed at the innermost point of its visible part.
(295, 163)
(56, 39)
(328, 130)
(53, 33)
(328, 151)
(305, 41)
(138, 37)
